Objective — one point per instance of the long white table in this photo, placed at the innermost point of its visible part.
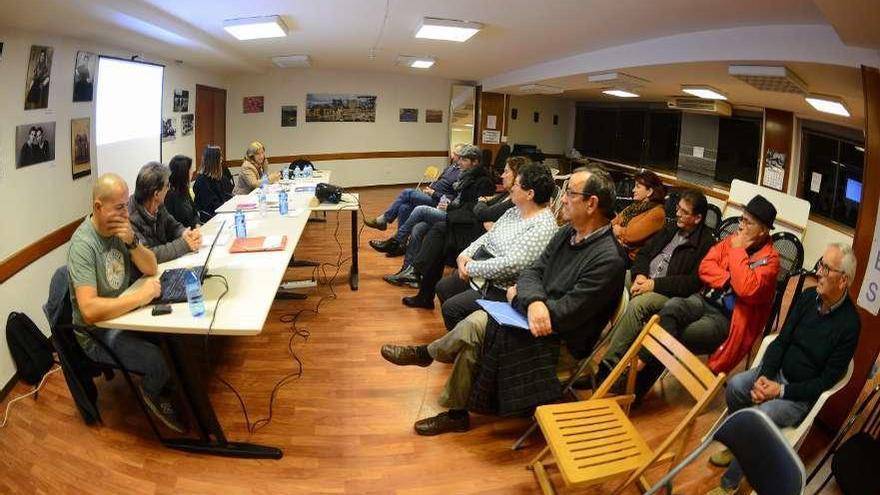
(253, 280)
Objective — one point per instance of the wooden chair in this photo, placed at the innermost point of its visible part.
(593, 441)
(430, 175)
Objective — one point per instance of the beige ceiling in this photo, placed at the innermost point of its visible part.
(665, 81)
(339, 34)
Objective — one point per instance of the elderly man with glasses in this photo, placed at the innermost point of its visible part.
(810, 355)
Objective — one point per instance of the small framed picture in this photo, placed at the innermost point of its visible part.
(80, 147)
(513, 113)
(536, 117)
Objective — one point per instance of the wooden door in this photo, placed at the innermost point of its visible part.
(210, 119)
(491, 105)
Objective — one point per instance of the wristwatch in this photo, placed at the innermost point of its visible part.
(134, 243)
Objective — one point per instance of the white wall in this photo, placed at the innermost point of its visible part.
(547, 137)
(44, 195)
(387, 133)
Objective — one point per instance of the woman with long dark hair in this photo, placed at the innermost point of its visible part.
(213, 186)
(638, 222)
(179, 201)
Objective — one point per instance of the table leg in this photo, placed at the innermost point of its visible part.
(211, 437)
(353, 274)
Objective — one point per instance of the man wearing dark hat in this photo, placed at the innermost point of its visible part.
(726, 317)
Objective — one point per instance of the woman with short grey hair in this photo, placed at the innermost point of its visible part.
(152, 224)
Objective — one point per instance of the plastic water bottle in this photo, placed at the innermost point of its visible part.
(194, 294)
(297, 173)
(309, 171)
(285, 174)
(444, 200)
(282, 202)
(261, 198)
(264, 180)
(240, 227)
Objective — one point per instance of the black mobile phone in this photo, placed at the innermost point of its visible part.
(161, 309)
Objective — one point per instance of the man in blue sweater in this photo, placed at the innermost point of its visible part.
(811, 353)
(409, 198)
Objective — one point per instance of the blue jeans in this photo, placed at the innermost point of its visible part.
(136, 354)
(782, 412)
(415, 242)
(404, 204)
(427, 214)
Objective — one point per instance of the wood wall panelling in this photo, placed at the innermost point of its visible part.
(778, 131)
(27, 255)
(838, 406)
(356, 155)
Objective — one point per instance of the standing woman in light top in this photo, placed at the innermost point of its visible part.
(638, 222)
(253, 167)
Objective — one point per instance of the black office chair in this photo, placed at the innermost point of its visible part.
(768, 462)
(501, 159)
(624, 189)
(726, 227)
(80, 370)
(713, 217)
(791, 257)
(855, 459)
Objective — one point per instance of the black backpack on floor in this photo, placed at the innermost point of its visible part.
(30, 349)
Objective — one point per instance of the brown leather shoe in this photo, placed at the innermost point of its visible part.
(405, 355)
(373, 223)
(442, 423)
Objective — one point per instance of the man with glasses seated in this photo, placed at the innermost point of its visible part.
(729, 314)
(665, 267)
(808, 357)
(568, 295)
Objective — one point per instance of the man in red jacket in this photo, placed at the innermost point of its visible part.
(727, 316)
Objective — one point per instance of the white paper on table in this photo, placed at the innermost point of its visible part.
(698, 151)
(816, 182)
(491, 121)
(272, 242)
(208, 239)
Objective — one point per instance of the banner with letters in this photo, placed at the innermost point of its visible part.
(869, 295)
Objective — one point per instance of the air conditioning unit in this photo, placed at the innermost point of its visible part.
(700, 105)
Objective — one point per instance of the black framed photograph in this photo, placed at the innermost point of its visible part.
(536, 117)
(409, 114)
(80, 147)
(288, 116)
(84, 76)
(35, 143)
(38, 77)
(181, 100)
(555, 119)
(187, 121)
(169, 129)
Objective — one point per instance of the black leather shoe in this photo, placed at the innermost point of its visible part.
(386, 246)
(442, 423)
(405, 276)
(418, 302)
(373, 224)
(405, 355)
(396, 250)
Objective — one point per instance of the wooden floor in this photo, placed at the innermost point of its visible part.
(345, 426)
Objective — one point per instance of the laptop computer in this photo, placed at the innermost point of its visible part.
(173, 281)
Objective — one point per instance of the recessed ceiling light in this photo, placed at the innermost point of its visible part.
(616, 79)
(769, 78)
(254, 28)
(706, 92)
(827, 104)
(292, 61)
(416, 62)
(620, 93)
(447, 29)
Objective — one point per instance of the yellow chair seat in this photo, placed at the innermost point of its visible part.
(592, 441)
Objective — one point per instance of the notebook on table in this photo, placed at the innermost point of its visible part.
(258, 244)
(173, 281)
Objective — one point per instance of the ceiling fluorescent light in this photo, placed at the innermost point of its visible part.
(292, 61)
(541, 89)
(416, 62)
(827, 104)
(447, 29)
(254, 28)
(705, 92)
(620, 93)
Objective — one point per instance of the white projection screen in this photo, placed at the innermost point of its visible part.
(128, 116)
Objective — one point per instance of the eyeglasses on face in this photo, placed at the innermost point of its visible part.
(571, 193)
(824, 268)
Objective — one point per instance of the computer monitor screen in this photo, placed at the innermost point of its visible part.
(853, 190)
